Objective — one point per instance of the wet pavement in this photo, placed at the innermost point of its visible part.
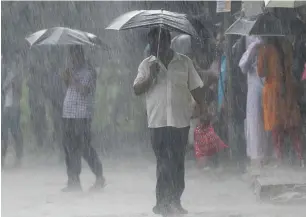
(35, 191)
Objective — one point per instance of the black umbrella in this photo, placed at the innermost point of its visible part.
(267, 24)
(154, 18)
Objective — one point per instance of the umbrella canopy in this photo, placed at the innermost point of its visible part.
(154, 18)
(63, 36)
(267, 24)
(205, 27)
(284, 4)
(241, 26)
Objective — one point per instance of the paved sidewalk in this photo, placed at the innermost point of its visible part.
(35, 192)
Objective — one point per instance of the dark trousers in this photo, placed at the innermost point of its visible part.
(11, 121)
(239, 144)
(169, 145)
(76, 141)
(239, 149)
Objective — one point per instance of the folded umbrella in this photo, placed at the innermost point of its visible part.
(63, 36)
(154, 18)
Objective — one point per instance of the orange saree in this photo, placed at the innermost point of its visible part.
(280, 107)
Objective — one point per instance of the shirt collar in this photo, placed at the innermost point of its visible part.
(176, 57)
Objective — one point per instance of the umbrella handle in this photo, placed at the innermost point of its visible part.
(157, 55)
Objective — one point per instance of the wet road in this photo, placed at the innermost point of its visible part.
(35, 191)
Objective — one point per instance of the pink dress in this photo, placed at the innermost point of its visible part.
(206, 141)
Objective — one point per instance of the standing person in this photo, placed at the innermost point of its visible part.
(298, 66)
(257, 139)
(184, 44)
(207, 142)
(238, 147)
(281, 110)
(167, 83)
(77, 117)
(239, 88)
(299, 56)
(221, 88)
(12, 89)
(37, 107)
(220, 45)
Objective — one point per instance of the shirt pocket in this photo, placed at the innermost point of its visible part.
(179, 75)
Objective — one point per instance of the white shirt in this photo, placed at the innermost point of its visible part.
(168, 101)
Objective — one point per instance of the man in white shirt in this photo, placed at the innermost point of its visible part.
(11, 88)
(169, 84)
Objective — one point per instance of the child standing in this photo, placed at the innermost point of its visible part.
(206, 142)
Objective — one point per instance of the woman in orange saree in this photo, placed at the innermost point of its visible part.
(281, 111)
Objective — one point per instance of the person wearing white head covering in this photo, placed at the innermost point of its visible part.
(257, 138)
(182, 43)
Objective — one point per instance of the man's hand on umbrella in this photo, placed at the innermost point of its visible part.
(146, 81)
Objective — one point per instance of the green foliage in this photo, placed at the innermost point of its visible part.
(113, 107)
(25, 112)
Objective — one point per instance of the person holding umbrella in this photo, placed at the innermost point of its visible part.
(167, 78)
(78, 103)
(77, 115)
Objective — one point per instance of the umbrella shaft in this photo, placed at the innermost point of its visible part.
(157, 55)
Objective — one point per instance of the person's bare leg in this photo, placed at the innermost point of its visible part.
(278, 138)
(296, 140)
(202, 162)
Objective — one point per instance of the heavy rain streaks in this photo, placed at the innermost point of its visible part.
(174, 111)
